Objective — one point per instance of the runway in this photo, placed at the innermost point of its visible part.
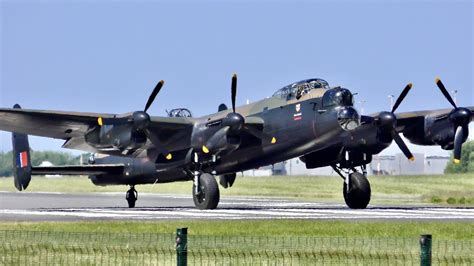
(34, 206)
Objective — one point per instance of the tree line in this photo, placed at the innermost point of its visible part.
(37, 157)
(467, 160)
(65, 158)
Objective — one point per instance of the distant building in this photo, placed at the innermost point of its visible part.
(381, 165)
(49, 164)
(399, 165)
(435, 165)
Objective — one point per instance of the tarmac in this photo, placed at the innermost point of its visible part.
(40, 206)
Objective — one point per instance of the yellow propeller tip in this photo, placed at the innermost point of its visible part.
(234, 75)
(410, 85)
(205, 149)
(100, 122)
(274, 140)
(412, 158)
(456, 161)
(437, 79)
(162, 82)
(169, 156)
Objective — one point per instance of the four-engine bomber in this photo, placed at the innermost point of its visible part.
(306, 119)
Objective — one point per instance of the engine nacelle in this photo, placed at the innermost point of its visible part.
(121, 137)
(136, 170)
(433, 131)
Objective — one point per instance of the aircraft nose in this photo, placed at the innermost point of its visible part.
(348, 118)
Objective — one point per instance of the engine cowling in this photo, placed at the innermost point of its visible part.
(121, 137)
(433, 131)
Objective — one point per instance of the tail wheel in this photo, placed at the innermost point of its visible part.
(358, 194)
(208, 196)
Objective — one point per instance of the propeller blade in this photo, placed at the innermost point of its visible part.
(153, 94)
(445, 92)
(234, 90)
(402, 96)
(401, 144)
(458, 138)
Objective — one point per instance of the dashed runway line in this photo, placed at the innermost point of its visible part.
(110, 206)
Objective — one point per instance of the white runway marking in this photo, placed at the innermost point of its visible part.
(110, 206)
(267, 213)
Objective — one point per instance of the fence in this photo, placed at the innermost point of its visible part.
(62, 248)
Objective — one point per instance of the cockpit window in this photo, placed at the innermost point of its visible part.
(338, 96)
(298, 89)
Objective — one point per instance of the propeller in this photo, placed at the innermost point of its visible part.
(238, 121)
(388, 122)
(234, 124)
(460, 117)
(141, 120)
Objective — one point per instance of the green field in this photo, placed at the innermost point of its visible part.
(265, 242)
(455, 189)
(445, 230)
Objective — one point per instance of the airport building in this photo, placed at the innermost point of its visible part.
(381, 165)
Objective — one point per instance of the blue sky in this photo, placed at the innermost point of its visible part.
(107, 56)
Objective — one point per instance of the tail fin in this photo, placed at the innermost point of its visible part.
(21, 159)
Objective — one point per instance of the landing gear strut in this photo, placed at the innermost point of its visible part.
(356, 188)
(131, 196)
(205, 189)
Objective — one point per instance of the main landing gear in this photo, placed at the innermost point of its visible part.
(206, 192)
(205, 189)
(356, 188)
(131, 196)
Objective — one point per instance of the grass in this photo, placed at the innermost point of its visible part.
(445, 230)
(456, 189)
(236, 242)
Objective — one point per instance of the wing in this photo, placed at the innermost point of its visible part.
(51, 124)
(407, 120)
(173, 132)
(410, 120)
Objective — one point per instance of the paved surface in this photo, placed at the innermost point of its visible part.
(28, 206)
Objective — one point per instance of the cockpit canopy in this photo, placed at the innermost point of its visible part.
(300, 88)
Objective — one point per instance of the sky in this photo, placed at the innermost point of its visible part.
(106, 56)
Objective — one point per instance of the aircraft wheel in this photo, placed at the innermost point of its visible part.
(131, 197)
(131, 203)
(208, 196)
(358, 196)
